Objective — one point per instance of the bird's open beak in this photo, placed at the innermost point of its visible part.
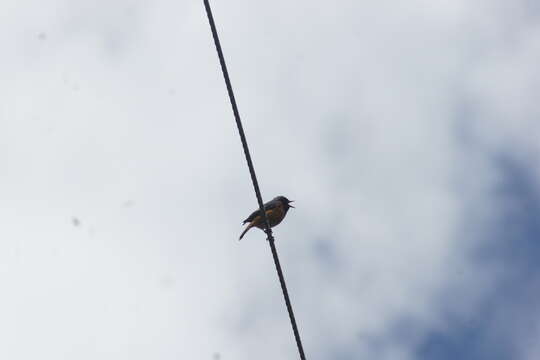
(291, 205)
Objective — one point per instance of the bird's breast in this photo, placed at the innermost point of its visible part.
(275, 216)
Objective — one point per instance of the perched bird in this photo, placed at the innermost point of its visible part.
(275, 209)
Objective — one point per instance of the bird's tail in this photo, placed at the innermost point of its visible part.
(245, 231)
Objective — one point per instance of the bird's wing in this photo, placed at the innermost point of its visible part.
(268, 206)
(252, 216)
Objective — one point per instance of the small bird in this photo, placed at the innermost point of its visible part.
(275, 209)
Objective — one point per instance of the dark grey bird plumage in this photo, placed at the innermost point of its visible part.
(275, 209)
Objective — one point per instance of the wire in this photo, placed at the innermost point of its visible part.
(268, 230)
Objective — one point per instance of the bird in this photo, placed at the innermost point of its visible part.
(275, 209)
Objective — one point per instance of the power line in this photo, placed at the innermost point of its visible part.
(268, 230)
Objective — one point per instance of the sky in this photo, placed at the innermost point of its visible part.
(406, 132)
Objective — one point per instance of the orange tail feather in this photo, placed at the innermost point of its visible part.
(245, 231)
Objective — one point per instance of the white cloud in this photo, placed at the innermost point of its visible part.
(349, 108)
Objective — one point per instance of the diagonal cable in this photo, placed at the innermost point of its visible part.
(267, 229)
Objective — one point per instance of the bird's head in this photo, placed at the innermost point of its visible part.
(286, 202)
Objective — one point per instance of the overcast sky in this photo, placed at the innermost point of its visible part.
(407, 132)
